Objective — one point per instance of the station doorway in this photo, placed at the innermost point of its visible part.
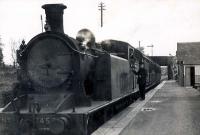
(189, 76)
(192, 76)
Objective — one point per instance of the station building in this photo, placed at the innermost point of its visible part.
(188, 60)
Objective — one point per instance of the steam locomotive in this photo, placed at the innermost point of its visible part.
(72, 86)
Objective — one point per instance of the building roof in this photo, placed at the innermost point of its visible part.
(188, 52)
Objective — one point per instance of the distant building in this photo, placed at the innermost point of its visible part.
(188, 60)
(168, 65)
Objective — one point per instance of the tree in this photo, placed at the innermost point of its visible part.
(1, 53)
(14, 46)
(141, 49)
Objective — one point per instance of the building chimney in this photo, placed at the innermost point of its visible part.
(54, 16)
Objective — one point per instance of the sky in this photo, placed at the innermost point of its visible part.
(162, 23)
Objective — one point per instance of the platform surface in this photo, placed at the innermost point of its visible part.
(116, 125)
(173, 110)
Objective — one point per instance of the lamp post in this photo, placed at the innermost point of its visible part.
(151, 49)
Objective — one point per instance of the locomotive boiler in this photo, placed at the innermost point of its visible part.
(71, 86)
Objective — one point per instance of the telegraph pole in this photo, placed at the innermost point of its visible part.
(139, 45)
(41, 22)
(101, 5)
(151, 49)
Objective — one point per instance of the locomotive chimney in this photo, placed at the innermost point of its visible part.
(54, 17)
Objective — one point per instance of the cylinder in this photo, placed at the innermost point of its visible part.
(54, 16)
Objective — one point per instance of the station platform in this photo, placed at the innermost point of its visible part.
(169, 109)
